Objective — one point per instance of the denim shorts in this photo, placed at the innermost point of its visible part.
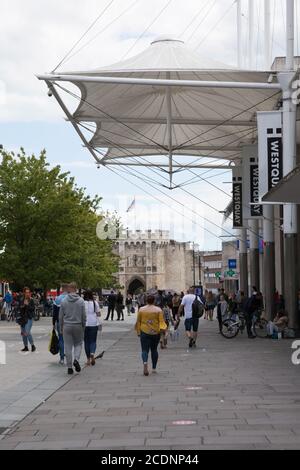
(191, 324)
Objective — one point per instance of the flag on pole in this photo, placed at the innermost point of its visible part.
(132, 206)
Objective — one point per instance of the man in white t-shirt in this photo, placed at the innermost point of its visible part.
(191, 323)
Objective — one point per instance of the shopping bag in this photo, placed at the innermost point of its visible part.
(54, 343)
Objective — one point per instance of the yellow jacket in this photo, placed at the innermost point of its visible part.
(150, 320)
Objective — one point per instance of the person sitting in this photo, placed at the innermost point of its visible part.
(279, 323)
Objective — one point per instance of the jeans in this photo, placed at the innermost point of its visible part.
(272, 328)
(26, 333)
(90, 340)
(60, 342)
(150, 342)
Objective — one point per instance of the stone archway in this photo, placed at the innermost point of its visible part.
(136, 285)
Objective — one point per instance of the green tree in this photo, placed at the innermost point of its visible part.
(48, 227)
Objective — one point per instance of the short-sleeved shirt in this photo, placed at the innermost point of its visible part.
(187, 302)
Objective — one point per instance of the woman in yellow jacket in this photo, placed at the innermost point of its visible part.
(150, 323)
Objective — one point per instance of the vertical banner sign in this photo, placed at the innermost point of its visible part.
(270, 150)
(237, 193)
(251, 207)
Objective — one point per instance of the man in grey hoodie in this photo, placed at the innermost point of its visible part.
(72, 320)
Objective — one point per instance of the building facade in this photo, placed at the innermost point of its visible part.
(150, 260)
(211, 268)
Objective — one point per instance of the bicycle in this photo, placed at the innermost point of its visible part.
(232, 325)
(37, 313)
(12, 313)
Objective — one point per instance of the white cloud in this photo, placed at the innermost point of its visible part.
(35, 35)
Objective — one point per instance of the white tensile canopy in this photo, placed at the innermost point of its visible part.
(167, 101)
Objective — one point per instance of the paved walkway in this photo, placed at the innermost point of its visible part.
(237, 394)
(28, 379)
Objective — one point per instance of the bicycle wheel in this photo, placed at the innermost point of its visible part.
(230, 328)
(260, 328)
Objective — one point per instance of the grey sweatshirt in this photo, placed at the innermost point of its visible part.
(72, 311)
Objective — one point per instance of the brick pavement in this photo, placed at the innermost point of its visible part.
(245, 395)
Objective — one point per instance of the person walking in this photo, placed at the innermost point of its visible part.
(8, 298)
(191, 322)
(252, 307)
(149, 326)
(93, 315)
(222, 311)
(222, 292)
(141, 299)
(120, 306)
(129, 304)
(112, 298)
(27, 311)
(72, 321)
(210, 305)
(159, 299)
(55, 321)
(176, 301)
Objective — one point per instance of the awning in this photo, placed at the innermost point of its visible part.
(287, 190)
(135, 120)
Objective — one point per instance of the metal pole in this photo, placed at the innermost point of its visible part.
(267, 34)
(194, 266)
(200, 277)
(290, 34)
(289, 159)
(160, 82)
(243, 261)
(251, 33)
(254, 252)
(239, 33)
(169, 129)
(269, 285)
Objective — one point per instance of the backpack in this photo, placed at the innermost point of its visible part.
(197, 308)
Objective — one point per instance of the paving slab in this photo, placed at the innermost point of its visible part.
(245, 395)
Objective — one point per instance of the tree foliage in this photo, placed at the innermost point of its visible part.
(48, 227)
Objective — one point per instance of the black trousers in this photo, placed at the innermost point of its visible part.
(249, 319)
(120, 312)
(111, 310)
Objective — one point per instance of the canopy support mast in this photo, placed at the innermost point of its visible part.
(169, 129)
(239, 33)
(290, 225)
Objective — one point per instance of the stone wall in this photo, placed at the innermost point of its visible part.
(155, 260)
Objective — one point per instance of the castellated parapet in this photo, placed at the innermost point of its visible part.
(150, 259)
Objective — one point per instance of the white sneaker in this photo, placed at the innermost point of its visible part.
(62, 362)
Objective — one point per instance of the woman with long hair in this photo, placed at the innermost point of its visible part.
(27, 311)
(92, 323)
(149, 326)
(210, 304)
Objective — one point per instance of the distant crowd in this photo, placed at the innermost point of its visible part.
(76, 317)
